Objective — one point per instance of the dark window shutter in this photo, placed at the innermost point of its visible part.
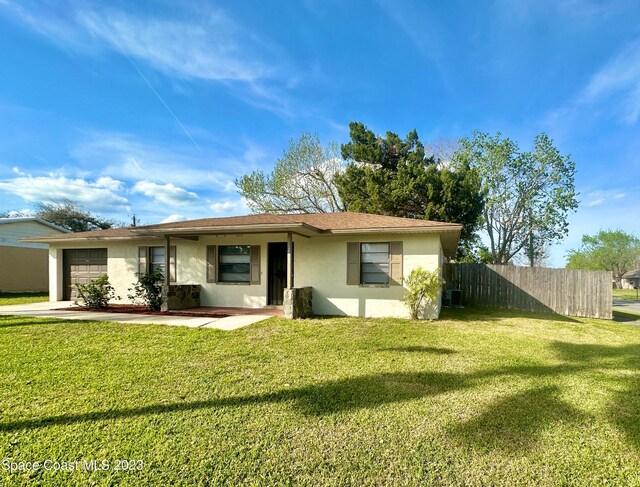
(142, 260)
(395, 263)
(255, 265)
(353, 263)
(172, 264)
(212, 275)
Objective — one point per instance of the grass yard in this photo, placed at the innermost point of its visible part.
(22, 298)
(479, 397)
(626, 294)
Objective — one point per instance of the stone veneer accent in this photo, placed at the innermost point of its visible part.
(298, 302)
(181, 296)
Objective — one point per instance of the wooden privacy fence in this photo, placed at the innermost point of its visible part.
(567, 292)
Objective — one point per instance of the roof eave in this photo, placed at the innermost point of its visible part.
(81, 239)
(430, 229)
(300, 228)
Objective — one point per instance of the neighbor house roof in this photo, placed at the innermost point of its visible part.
(23, 219)
(308, 225)
(632, 274)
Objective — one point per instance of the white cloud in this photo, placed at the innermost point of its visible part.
(212, 47)
(602, 196)
(174, 218)
(596, 202)
(98, 195)
(168, 194)
(110, 183)
(618, 82)
(613, 91)
(196, 43)
(236, 207)
(133, 160)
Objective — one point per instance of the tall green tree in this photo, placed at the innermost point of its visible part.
(608, 250)
(529, 195)
(68, 214)
(394, 176)
(302, 180)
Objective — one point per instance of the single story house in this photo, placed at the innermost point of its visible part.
(631, 280)
(24, 266)
(355, 263)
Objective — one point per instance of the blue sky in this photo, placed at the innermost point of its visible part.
(154, 108)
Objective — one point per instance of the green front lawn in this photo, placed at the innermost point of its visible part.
(626, 294)
(477, 398)
(22, 298)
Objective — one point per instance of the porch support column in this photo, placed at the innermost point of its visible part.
(167, 260)
(289, 260)
(167, 272)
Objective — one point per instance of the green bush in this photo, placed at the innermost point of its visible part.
(96, 294)
(148, 290)
(422, 291)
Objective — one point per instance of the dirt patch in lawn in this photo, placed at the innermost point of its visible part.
(143, 310)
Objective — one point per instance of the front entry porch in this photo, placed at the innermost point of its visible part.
(236, 311)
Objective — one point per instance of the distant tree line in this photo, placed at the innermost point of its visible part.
(66, 214)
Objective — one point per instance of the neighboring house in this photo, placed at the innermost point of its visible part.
(24, 266)
(631, 280)
(355, 263)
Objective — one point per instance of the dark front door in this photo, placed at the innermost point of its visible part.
(277, 273)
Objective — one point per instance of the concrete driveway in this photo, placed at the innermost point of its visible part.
(55, 310)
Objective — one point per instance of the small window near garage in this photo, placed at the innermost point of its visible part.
(234, 263)
(156, 259)
(374, 263)
(150, 259)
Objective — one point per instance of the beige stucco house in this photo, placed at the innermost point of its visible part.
(24, 266)
(631, 280)
(355, 263)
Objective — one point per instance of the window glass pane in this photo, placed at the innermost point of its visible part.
(375, 278)
(235, 249)
(234, 262)
(374, 263)
(383, 268)
(375, 247)
(157, 255)
(376, 257)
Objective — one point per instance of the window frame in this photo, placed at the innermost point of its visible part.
(363, 263)
(145, 261)
(151, 264)
(219, 263)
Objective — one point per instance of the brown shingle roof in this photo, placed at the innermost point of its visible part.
(316, 223)
(635, 274)
(109, 233)
(321, 221)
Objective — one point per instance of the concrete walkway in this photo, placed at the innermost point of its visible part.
(54, 310)
(625, 305)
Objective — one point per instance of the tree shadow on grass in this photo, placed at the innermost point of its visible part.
(479, 313)
(624, 405)
(514, 422)
(331, 397)
(511, 422)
